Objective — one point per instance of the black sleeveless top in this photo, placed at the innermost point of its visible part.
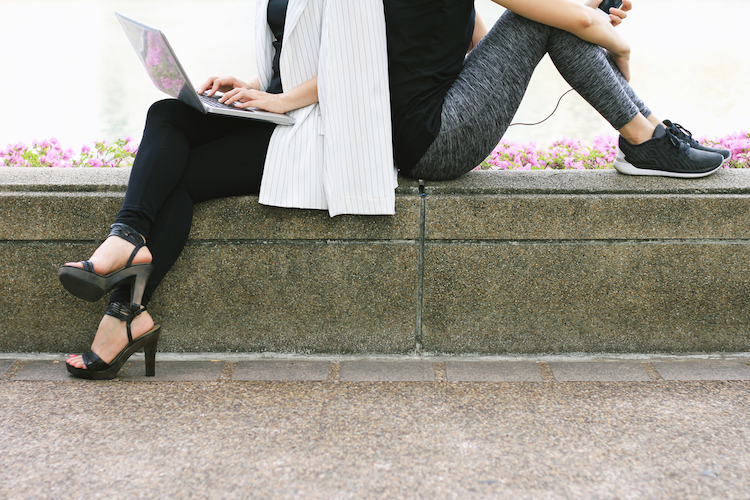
(276, 19)
(427, 43)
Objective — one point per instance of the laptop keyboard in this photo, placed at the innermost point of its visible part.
(213, 102)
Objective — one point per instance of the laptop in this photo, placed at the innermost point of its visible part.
(167, 73)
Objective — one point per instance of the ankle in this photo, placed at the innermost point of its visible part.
(638, 130)
(638, 137)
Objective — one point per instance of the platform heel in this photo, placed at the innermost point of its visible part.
(150, 351)
(96, 369)
(87, 284)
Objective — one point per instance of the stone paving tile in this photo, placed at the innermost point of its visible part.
(176, 371)
(599, 371)
(703, 369)
(281, 370)
(364, 370)
(493, 371)
(387, 371)
(45, 370)
(5, 365)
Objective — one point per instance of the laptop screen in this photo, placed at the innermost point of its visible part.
(156, 57)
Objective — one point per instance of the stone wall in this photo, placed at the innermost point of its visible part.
(496, 262)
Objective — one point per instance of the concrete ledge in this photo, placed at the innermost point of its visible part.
(495, 262)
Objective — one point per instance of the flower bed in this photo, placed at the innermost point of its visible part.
(50, 153)
(508, 155)
(572, 154)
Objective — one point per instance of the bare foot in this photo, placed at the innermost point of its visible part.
(112, 337)
(113, 254)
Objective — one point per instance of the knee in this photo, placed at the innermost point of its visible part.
(167, 109)
(185, 193)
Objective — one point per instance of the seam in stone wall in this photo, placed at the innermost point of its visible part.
(420, 267)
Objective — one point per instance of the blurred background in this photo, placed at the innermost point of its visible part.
(69, 72)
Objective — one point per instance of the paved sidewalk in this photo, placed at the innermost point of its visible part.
(219, 426)
(207, 367)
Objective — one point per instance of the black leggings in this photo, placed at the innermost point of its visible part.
(484, 98)
(186, 157)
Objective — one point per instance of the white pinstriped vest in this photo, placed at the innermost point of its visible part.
(338, 156)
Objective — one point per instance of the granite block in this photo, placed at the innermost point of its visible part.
(297, 297)
(75, 180)
(587, 182)
(610, 371)
(242, 218)
(72, 180)
(302, 370)
(386, 371)
(581, 297)
(40, 315)
(175, 371)
(57, 216)
(302, 298)
(601, 217)
(87, 216)
(708, 369)
(493, 371)
(80, 204)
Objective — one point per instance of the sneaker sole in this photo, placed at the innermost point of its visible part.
(627, 168)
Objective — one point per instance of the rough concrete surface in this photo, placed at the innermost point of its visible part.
(131, 438)
(491, 263)
(557, 297)
(374, 440)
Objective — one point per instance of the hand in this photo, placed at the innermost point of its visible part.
(252, 98)
(223, 84)
(616, 16)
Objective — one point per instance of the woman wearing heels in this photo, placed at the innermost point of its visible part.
(306, 50)
(450, 110)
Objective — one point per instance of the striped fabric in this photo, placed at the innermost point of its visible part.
(338, 156)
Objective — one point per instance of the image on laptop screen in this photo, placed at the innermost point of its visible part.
(157, 59)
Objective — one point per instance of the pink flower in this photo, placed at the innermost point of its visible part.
(95, 162)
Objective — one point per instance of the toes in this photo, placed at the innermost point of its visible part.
(75, 361)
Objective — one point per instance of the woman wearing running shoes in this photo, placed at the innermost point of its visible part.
(450, 110)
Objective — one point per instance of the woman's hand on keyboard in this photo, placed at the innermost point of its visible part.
(298, 97)
(251, 98)
(225, 84)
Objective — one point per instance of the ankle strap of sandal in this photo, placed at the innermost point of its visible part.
(127, 312)
(129, 234)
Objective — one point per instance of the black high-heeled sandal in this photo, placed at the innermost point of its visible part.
(87, 284)
(96, 369)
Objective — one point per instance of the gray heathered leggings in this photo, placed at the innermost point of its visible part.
(484, 98)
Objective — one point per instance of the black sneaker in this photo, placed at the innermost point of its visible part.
(685, 136)
(666, 155)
